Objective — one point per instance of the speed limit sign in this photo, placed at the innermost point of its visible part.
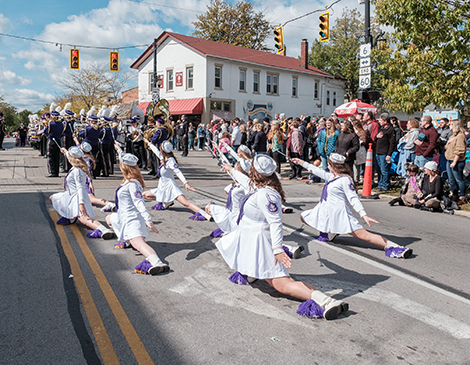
(364, 81)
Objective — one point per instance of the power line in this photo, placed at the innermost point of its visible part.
(69, 44)
(315, 11)
(164, 6)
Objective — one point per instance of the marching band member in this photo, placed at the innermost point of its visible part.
(54, 135)
(74, 202)
(333, 216)
(106, 143)
(67, 135)
(255, 248)
(131, 219)
(91, 134)
(135, 133)
(168, 189)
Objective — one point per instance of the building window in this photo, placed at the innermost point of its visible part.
(242, 82)
(272, 84)
(334, 98)
(328, 97)
(315, 90)
(294, 86)
(159, 82)
(189, 78)
(218, 77)
(221, 105)
(256, 82)
(169, 77)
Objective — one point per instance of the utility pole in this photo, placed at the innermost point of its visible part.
(155, 89)
(367, 35)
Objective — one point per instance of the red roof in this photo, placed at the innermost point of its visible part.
(228, 51)
(144, 106)
(185, 106)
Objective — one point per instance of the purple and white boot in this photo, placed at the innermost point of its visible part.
(101, 232)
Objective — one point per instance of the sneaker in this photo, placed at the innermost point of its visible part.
(398, 252)
(299, 177)
(158, 269)
(107, 234)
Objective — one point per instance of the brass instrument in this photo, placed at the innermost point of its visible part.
(162, 109)
(148, 134)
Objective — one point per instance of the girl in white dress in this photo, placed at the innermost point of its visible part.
(74, 202)
(333, 216)
(168, 189)
(255, 247)
(131, 220)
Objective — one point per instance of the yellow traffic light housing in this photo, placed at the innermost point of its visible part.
(114, 61)
(75, 59)
(325, 27)
(279, 39)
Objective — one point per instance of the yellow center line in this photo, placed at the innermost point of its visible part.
(136, 345)
(99, 331)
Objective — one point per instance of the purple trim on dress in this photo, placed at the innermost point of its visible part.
(116, 200)
(242, 206)
(228, 205)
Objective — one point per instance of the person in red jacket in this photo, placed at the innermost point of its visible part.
(426, 142)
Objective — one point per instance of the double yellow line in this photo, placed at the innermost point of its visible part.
(105, 346)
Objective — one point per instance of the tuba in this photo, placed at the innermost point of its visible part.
(162, 110)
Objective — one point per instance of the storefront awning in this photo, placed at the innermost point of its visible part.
(144, 106)
(185, 106)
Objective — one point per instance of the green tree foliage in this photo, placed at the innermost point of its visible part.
(9, 113)
(233, 23)
(340, 55)
(431, 53)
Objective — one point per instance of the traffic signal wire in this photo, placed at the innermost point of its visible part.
(312, 12)
(72, 45)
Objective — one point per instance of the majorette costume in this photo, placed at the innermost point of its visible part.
(333, 216)
(67, 203)
(131, 218)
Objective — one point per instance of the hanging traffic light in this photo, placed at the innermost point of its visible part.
(75, 59)
(279, 39)
(325, 27)
(114, 61)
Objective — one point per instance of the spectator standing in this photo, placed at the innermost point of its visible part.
(295, 148)
(277, 139)
(384, 147)
(243, 134)
(455, 156)
(426, 142)
(179, 134)
(444, 133)
(251, 133)
(326, 142)
(201, 136)
(174, 139)
(397, 128)
(22, 132)
(406, 146)
(347, 143)
(259, 144)
(236, 135)
(372, 126)
(361, 154)
(185, 128)
(191, 136)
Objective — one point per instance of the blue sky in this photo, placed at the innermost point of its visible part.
(30, 72)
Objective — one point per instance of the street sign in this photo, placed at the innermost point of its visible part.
(364, 81)
(364, 71)
(364, 62)
(364, 50)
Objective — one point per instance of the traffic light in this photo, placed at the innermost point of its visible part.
(75, 59)
(325, 27)
(279, 39)
(114, 61)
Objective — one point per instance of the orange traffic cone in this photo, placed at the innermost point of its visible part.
(367, 184)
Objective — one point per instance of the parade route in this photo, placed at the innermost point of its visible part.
(69, 299)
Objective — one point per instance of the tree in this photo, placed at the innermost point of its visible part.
(340, 56)
(9, 113)
(233, 23)
(430, 62)
(90, 86)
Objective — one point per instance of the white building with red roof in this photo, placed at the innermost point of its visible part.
(206, 79)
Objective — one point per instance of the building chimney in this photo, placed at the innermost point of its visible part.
(304, 54)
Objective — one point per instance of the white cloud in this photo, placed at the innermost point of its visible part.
(28, 99)
(4, 23)
(10, 78)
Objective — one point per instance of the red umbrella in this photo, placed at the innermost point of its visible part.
(354, 107)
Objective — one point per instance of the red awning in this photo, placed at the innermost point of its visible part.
(186, 106)
(144, 106)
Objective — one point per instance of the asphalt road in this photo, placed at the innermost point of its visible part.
(68, 299)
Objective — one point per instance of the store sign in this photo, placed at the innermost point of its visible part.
(179, 79)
